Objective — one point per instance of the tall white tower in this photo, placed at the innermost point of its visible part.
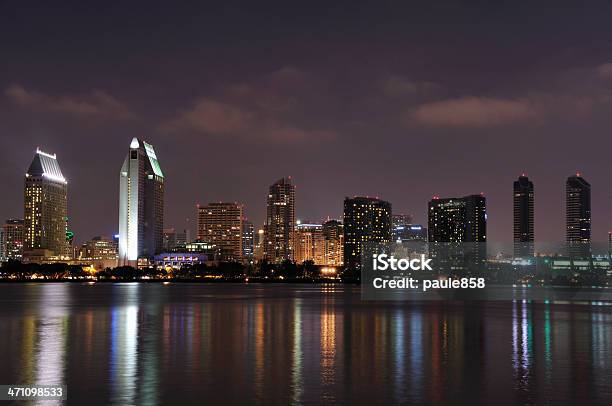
(141, 204)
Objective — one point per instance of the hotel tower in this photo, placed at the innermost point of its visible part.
(45, 208)
(141, 204)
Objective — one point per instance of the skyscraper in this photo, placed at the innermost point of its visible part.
(366, 219)
(457, 219)
(279, 227)
(45, 208)
(523, 218)
(310, 243)
(578, 216)
(141, 204)
(12, 239)
(457, 234)
(248, 240)
(221, 224)
(333, 231)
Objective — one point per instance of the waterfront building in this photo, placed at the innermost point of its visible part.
(141, 204)
(366, 219)
(221, 224)
(279, 228)
(248, 240)
(12, 240)
(457, 219)
(578, 216)
(523, 217)
(45, 209)
(310, 243)
(333, 232)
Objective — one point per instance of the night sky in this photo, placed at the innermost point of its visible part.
(400, 100)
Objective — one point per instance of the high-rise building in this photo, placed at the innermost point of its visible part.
(221, 224)
(333, 231)
(309, 243)
(141, 204)
(454, 219)
(578, 216)
(610, 249)
(45, 208)
(457, 234)
(280, 222)
(523, 218)
(366, 219)
(248, 240)
(12, 239)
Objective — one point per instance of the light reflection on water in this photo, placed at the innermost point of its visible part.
(182, 343)
(124, 349)
(51, 337)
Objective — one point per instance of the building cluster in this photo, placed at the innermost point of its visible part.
(224, 233)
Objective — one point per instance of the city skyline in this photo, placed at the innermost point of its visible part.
(322, 202)
(247, 213)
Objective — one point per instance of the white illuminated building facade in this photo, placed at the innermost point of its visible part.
(141, 204)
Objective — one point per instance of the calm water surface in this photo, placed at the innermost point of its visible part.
(280, 344)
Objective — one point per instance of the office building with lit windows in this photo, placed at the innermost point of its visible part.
(11, 241)
(45, 209)
(279, 228)
(333, 232)
(100, 247)
(578, 216)
(248, 240)
(141, 204)
(366, 219)
(457, 233)
(309, 243)
(462, 219)
(221, 224)
(523, 218)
